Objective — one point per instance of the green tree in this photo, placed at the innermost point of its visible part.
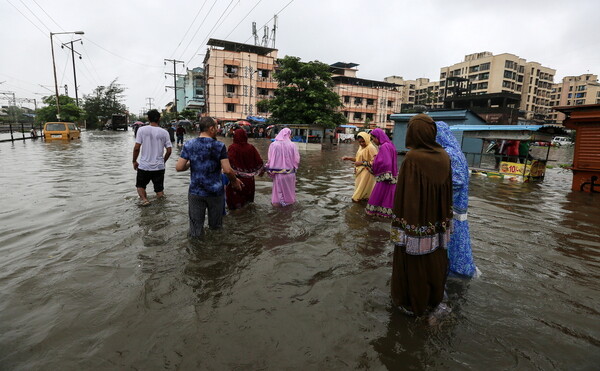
(304, 95)
(103, 103)
(189, 114)
(69, 111)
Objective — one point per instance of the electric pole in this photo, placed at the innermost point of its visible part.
(149, 103)
(73, 57)
(175, 75)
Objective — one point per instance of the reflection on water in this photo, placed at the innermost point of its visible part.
(90, 280)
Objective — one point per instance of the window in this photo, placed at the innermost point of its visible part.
(230, 107)
(580, 101)
(230, 70)
(581, 88)
(474, 68)
(358, 115)
(370, 102)
(569, 95)
(245, 90)
(263, 73)
(230, 88)
(483, 85)
(484, 66)
(509, 64)
(251, 109)
(263, 92)
(442, 75)
(358, 101)
(369, 116)
(390, 103)
(579, 95)
(484, 76)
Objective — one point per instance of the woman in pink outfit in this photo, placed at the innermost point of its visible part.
(282, 164)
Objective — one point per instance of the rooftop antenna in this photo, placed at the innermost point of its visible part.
(274, 29)
(254, 33)
(265, 39)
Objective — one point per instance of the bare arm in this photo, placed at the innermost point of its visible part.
(182, 164)
(346, 158)
(168, 154)
(136, 153)
(227, 170)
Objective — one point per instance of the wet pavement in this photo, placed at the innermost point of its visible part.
(91, 280)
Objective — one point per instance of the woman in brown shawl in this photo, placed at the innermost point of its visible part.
(246, 162)
(422, 216)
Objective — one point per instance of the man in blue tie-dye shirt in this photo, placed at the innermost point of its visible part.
(206, 157)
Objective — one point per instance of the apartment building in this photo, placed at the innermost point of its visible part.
(237, 76)
(366, 103)
(485, 73)
(574, 91)
(421, 91)
(190, 90)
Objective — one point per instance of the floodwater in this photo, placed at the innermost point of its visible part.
(91, 280)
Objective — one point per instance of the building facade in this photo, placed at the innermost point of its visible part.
(191, 96)
(421, 91)
(485, 73)
(237, 76)
(574, 91)
(366, 103)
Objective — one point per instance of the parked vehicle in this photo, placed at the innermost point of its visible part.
(561, 141)
(61, 131)
(118, 121)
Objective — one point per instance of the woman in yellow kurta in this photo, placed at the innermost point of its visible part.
(365, 181)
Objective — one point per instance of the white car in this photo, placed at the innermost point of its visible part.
(561, 141)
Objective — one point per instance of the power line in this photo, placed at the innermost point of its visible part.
(197, 29)
(118, 56)
(209, 32)
(52, 19)
(30, 21)
(236, 26)
(189, 28)
(35, 15)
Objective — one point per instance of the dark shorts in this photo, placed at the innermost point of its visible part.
(145, 176)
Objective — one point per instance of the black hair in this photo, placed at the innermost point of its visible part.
(205, 123)
(153, 116)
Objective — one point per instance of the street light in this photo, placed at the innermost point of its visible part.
(54, 67)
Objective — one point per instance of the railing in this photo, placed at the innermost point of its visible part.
(13, 130)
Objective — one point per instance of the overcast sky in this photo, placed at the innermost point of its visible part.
(128, 40)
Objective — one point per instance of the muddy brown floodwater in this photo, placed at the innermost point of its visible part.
(91, 280)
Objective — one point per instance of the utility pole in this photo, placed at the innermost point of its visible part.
(73, 57)
(175, 75)
(149, 102)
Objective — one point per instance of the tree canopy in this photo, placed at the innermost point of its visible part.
(103, 103)
(68, 110)
(303, 95)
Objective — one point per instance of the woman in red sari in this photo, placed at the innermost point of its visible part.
(246, 162)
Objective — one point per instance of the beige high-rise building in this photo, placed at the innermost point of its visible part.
(237, 76)
(574, 91)
(484, 73)
(421, 91)
(366, 103)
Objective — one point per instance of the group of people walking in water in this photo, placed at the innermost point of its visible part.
(426, 199)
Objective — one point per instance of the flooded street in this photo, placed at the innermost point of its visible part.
(91, 280)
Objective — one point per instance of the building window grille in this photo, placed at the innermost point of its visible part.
(230, 107)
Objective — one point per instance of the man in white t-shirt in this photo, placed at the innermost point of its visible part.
(152, 140)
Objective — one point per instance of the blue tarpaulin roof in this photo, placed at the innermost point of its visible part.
(495, 127)
(256, 118)
(348, 126)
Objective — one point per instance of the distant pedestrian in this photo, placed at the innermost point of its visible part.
(422, 221)
(171, 130)
(180, 132)
(152, 140)
(282, 164)
(385, 170)
(206, 158)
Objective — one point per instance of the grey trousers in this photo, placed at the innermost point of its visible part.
(197, 206)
